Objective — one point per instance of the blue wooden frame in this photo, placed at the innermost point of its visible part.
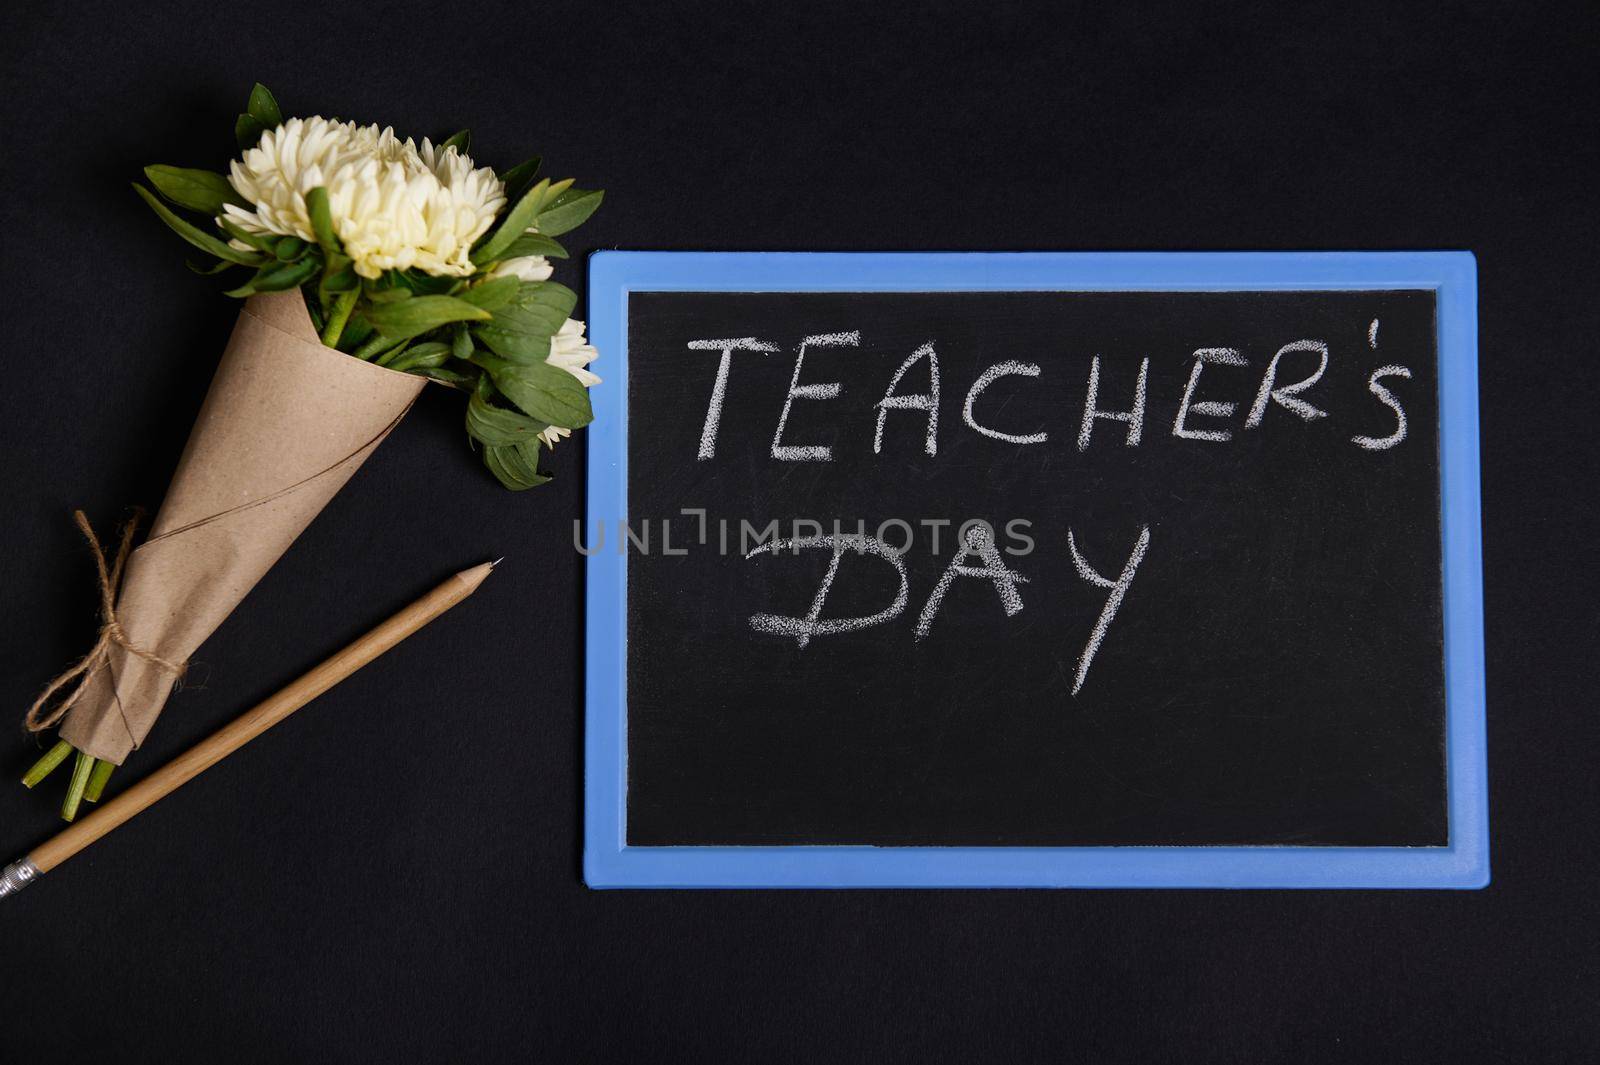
(609, 862)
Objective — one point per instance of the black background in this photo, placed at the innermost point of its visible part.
(393, 875)
(1273, 676)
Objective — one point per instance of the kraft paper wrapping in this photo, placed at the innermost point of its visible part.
(285, 424)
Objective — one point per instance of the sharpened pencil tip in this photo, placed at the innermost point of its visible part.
(476, 575)
(497, 561)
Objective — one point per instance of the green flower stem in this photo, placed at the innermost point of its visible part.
(44, 766)
(97, 780)
(80, 780)
(340, 316)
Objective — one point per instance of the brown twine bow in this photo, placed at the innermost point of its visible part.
(42, 714)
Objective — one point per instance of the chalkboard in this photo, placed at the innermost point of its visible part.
(997, 569)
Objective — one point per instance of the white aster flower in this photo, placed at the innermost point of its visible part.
(570, 351)
(524, 268)
(394, 206)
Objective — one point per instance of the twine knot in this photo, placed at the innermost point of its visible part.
(65, 691)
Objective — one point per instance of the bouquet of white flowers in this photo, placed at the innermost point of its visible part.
(375, 265)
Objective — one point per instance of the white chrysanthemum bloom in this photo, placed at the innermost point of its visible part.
(570, 351)
(295, 158)
(394, 206)
(524, 268)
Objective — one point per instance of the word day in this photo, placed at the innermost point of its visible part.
(1287, 381)
(976, 556)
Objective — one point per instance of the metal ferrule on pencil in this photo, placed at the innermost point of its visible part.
(16, 876)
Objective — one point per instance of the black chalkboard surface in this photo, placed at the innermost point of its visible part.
(1273, 674)
(1140, 569)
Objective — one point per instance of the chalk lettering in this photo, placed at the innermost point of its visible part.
(802, 629)
(1284, 395)
(1117, 588)
(1134, 417)
(830, 390)
(985, 379)
(1387, 398)
(928, 401)
(977, 539)
(796, 537)
(1207, 408)
(719, 390)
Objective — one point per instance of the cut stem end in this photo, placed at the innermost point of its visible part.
(46, 765)
(97, 780)
(80, 780)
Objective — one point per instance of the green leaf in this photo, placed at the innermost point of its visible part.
(247, 130)
(541, 391)
(535, 244)
(288, 249)
(264, 108)
(392, 354)
(446, 376)
(322, 219)
(515, 467)
(568, 211)
(194, 234)
(356, 332)
(461, 142)
(521, 330)
(490, 424)
(520, 177)
(516, 220)
(493, 294)
(377, 348)
(255, 240)
(337, 276)
(198, 190)
(277, 277)
(528, 452)
(461, 343)
(205, 271)
(421, 284)
(415, 316)
(286, 276)
(430, 354)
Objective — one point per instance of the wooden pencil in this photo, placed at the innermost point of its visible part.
(241, 731)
